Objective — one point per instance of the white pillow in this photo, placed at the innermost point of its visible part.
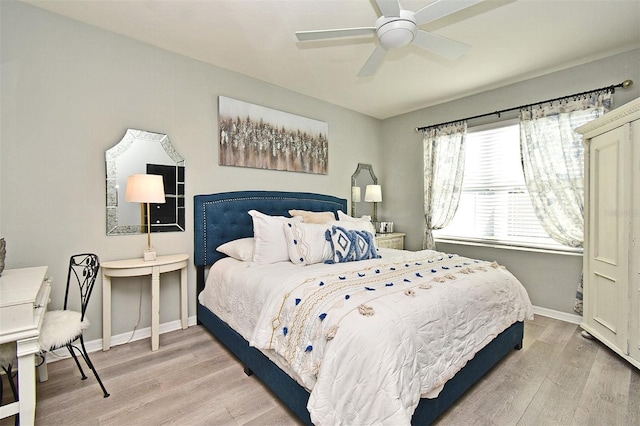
(241, 249)
(343, 217)
(270, 245)
(306, 242)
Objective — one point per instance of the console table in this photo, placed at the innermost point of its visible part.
(140, 267)
(24, 295)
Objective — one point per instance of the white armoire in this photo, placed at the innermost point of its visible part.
(611, 311)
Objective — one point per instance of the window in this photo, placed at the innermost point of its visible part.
(494, 204)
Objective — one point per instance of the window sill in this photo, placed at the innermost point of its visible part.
(503, 246)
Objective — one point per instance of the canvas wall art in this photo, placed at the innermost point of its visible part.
(259, 137)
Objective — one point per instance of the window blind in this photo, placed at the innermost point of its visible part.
(495, 205)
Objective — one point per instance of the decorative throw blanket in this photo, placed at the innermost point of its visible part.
(370, 341)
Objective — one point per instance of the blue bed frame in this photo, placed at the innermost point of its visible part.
(223, 217)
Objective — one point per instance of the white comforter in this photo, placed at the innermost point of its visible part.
(371, 338)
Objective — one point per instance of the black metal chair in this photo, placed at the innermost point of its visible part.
(8, 360)
(62, 328)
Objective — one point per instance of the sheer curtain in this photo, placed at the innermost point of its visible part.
(443, 172)
(553, 164)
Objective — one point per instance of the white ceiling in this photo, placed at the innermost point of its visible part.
(511, 41)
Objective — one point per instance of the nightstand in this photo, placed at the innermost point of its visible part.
(393, 240)
(139, 267)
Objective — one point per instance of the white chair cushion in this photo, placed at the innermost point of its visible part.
(60, 328)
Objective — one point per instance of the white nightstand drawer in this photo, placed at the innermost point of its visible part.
(393, 240)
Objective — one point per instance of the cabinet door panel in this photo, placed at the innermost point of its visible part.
(634, 322)
(634, 283)
(605, 302)
(606, 220)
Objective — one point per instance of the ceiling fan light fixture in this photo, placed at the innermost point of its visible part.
(398, 36)
(396, 32)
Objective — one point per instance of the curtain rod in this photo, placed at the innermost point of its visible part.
(624, 84)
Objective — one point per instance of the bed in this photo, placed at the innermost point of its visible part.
(223, 217)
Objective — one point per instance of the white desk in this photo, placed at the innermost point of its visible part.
(24, 295)
(139, 267)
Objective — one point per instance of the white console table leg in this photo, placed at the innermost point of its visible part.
(155, 308)
(184, 305)
(106, 312)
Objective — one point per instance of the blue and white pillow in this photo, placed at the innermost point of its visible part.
(351, 245)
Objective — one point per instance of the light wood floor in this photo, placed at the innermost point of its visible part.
(558, 378)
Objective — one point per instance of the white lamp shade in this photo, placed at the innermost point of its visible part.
(355, 194)
(373, 194)
(145, 189)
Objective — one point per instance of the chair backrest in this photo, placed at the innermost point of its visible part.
(83, 271)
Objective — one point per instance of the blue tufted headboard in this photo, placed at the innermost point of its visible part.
(223, 217)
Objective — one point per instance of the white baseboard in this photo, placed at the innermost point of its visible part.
(562, 316)
(145, 333)
(120, 339)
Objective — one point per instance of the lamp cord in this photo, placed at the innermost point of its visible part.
(135, 327)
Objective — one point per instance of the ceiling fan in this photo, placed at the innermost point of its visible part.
(398, 27)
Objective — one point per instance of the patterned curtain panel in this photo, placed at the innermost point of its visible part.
(443, 172)
(553, 163)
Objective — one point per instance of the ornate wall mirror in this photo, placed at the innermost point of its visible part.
(362, 177)
(146, 153)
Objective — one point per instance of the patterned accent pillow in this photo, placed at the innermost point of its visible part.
(306, 242)
(351, 245)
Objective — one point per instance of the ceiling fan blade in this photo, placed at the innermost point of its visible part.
(374, 61)
(440, 9)
(442, 46)
(343, 32)
(389, 8)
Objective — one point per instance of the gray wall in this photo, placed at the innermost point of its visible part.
(69, 92)
(551, 280)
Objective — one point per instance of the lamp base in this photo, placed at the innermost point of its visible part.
(149, 254)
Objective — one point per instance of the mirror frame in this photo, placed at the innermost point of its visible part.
(361, 168)
(111, 157)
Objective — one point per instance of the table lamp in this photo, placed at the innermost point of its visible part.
(373, 195)
(146, 189)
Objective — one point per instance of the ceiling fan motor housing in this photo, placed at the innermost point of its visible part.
(396, 31)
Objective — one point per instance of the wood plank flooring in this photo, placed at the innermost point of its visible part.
(558, 378)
